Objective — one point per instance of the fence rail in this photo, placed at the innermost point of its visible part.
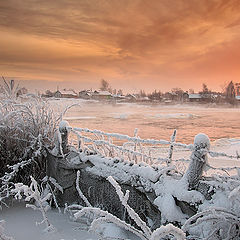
(137, 150)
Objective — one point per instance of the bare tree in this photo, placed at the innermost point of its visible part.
(205, 89)
(120, 92)
(230, 93)
(191, 91)
(104, 85)
(142, 93)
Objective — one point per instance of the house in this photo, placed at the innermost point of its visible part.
(57, 94)
(86, 94)
(118, 97)
(237, 89)
(68, 93)
(131, 97)
(170, 96)
(195, 97)
(238, 98)
(185, 97)
(101, 95)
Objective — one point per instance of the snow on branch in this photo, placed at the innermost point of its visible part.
(167, 230)
(134, 139)
(170, 153)
(223, 224)
(220, 154)
(122, 149)
(101, 216)
(49, 181)
(32, 193)
(111, 218)
(15, 168)
(124, 198)
(88, 204)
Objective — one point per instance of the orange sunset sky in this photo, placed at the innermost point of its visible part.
(133, 44)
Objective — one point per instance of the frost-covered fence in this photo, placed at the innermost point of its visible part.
(172, 188)
(136, 150)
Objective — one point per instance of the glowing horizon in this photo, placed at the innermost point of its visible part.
(133, 44)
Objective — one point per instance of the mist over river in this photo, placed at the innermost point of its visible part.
(153, 121)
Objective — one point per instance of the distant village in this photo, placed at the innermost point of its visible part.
(230, 94)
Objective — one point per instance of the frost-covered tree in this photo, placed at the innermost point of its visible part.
(104, 85)
(230, 93)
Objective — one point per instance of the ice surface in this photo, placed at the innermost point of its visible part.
(79, 118)
(176, 116)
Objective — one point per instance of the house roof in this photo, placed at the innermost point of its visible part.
(103, 93)
(68, 92)
(195, 96)
(131, 96)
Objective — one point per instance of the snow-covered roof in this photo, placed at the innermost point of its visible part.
(68, 92)
(104, 93)
(194, 96)
(131, 96)
(86, 92)
(118, 96)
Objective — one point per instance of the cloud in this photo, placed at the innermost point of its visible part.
(127, 40)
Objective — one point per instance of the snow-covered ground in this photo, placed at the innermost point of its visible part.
(21, 221)
(21, 225)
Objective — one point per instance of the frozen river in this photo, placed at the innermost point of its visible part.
(154, 121)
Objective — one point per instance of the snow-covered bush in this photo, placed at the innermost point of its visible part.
(213, 223)
(10, 89)
(40, 198)
(26, 129)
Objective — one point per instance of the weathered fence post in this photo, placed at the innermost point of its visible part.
(198, 160)
(64, 135)
(61, 139)
(170, 153)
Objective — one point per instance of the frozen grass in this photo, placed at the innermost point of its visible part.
(25, 129)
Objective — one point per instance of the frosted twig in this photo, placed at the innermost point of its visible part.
(81, 195)
(103, 216)
(173, 137)
(124, 198)
(32, 192)
(167, 230)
